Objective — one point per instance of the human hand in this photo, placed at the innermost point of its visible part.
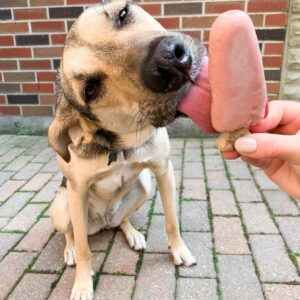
(274, 146)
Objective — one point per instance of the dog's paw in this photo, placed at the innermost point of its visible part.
(69, 256)
(83, 290)
(182, 255)
(135, 239)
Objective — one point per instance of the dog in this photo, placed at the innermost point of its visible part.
(121, 78)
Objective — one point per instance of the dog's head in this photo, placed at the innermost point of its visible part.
(121, 71)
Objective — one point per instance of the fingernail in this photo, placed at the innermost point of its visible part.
(246, 144)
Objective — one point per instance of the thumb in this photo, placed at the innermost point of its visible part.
(265, 145)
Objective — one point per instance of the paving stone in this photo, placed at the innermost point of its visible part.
(121, 258)
(193, 143)
(157, 237)
(100, 241)
(14, 204)
(63, 289)
(4, 176)
(58, 176)
(18, 163)
(36, 148)
(200, 244)
(4, 149)
(214, 162)
(9, 187)
(238, 169)
(178, 175)
(52, 256)
(7, 241)
(28, 171)
(229, 237)
(11, 154)
(257, 218)
(37, 237)
(37, 182)
(194, 189)
(280, 203)
(47, 193)
(193, 170)
(2, 166)
(177, 162)
(177, 143)
(158, 207)
(158, 275)
(50, 167)
(192, 155)
(175, 152)
(217, 180)
(140, 218)
(113, 287)
(290, 229)
(209, 143)
(222, 202)
(34, 287)
(25, 218)
(44, 156)
(3, 222)
(196, 288)
(272, 260)
(246, 191)
(211, 151)
(194, 216)
(264, 182)
(11, 269)
(281, 291)
(237, 278)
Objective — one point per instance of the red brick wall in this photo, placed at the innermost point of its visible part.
(32, 34)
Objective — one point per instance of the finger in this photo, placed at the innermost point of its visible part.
(230, 155)
(259, 163)
(265, 145)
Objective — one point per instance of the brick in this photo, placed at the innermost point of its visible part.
(281, 291)
(122, 287)
(139, 218)
(28, 171)
(220, 7)
(194, 189)
(30, 14)
(2, 100)
(9, 187)
(276, 20)
(10, 110)
(222, 203)
(273, 87)
(237, 278)
(198, 22)
(272, 75)
(200, 244)
(272, 260)
(14, 204)
(196, 288)
(11, 269)
(52, 256)
(280, 203)
(4, 176)
(5, 14)
(48, 26)
(101, 240)
(48, 99)
(115, 261)
(25, 218)
(217, 180)
(37, 182)
(35, 64)
(7, 241)
(238, 170)
(56, 64)
(257, 20)
(156, 268)
(6, 40)
(9, 87)
(22, 99)
(246, 191)
(58, 38)
(271, 34)
(15, 52)
(37, 237)
(152, 9)
(257, 218)
(65, 12)
(44, 156)
(214, 162)
(8, 65)
(263, 181)
(183, 8)
(47, 193)
(18, 76)
(169, 23)
(193, 170)
(15, 3)
(229, 237)
(192, 155)
(13, 27)
(32, 39)
(41, 52)
(289, 228)
(272, 61)
(267, 5)
(34, 286)
(274, 48)
(37, 88)
(46, 2)
(194, 216)
(71, 2)
(37, 110)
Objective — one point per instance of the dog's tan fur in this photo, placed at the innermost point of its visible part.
(105, 147)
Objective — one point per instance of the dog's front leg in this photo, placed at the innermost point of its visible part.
(166, 186)
(83, 286)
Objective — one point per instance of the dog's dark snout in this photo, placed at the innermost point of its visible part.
(167, 65)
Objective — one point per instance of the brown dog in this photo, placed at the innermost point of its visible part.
(121, 77)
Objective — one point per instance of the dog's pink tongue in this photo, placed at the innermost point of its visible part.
(197, 102)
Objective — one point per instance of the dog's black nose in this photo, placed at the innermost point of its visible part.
(167, 65)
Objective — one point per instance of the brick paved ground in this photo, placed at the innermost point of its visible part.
(243, 230)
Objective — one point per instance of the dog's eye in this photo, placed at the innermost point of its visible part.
(122, 15)
(91, 88)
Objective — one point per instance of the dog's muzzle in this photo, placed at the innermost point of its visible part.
(167, 66)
